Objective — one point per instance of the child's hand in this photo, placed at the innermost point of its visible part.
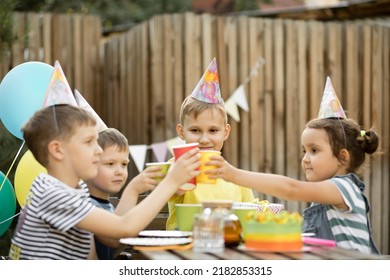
(145, 180)
(223, 169)
(184, 168)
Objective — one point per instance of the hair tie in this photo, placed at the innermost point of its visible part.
(362, 133)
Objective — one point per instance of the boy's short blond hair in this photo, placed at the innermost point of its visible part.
(53, 122)
(113, 137)
(191, 105)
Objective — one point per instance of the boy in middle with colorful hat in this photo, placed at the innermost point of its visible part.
(203, 119)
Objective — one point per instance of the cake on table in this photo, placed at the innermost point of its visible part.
(268, 231)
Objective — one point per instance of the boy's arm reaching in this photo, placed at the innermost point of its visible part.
(105, 224)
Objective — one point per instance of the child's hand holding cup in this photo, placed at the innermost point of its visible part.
(164, 168)
(179, 150)
(205, 157)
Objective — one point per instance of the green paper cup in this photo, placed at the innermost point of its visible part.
(164, 167)
(185, 214)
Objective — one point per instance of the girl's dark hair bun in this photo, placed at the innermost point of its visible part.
(368, 141)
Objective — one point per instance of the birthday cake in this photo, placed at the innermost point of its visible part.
(268, 231)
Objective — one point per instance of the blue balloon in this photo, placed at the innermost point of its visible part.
(7, 203)
(22, 92)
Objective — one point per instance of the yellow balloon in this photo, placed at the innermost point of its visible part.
(28, 168)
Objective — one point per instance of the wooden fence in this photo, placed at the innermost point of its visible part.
(137, 80)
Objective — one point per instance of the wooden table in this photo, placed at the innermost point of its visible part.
(308, 253)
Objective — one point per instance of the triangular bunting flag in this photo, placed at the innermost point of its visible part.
(232, 110)
(160, 151)
(240, 98)
(58, 91)
(81, 102)
(173, 142)
(138, 153)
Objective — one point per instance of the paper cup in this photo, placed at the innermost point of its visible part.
(164, 168)
(205, 157)
(185, 214)
(179, 150)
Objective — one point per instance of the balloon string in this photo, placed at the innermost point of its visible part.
(10, 218)
(6, 175)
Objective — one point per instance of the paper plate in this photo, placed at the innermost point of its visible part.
(165, 233)
(155, 241)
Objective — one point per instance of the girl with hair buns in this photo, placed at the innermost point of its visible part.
(334, 149)
(333, 152)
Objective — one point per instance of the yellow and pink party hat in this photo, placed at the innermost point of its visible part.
(58, 91)
(81, 102)
(208, 89)
(330, 105)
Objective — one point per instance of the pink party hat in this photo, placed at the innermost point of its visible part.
(81, 102)
(330, 104)
(208, 90)
(58, 91)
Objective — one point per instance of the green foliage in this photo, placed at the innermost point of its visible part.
(246, 5)
(6, 25)
(121, 12)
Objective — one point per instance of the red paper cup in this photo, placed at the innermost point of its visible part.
(179, 150)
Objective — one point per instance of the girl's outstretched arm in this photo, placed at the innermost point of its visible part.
(277, 185)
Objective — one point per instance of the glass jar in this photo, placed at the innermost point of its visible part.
(232, 225)
(208, 232)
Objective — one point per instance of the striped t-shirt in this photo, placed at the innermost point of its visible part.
(350, 228)
(46, 227)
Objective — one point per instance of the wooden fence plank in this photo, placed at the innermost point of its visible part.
(334, 41)
(192, 67)
(244, 66)
(317, 75)
(168, 121)
(293, 135)
(34, 37)
(77, 57)
(179, 88)
(122, 75)
(302, 92)
(280, 102)
(206, 40)
(144, 90)
(156, 42)
(230, 84)
(377, 119)
(269, 99)
(20, 27)
(385, 137)
(255, 97)
(351, 92)
(46, 41)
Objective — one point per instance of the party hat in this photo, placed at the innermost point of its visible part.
(330, 104)
(208, 90)
(58, 91)
(81, 102)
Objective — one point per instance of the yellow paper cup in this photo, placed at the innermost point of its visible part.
(164, 167)
(205, 157)
(185, 214)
